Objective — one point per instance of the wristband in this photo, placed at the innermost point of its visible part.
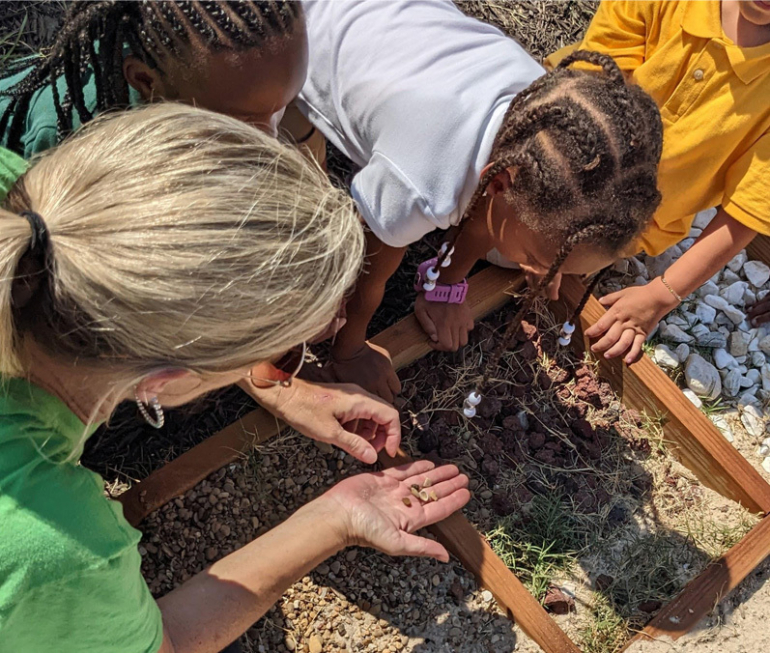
(454, 293)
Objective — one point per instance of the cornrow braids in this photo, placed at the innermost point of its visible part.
(584, 148)
(96, 34)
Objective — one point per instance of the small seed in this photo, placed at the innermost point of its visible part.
(415, 491)
(407, 502)
(433, 496)
(424, 496)
(427, 482)
(415, 487)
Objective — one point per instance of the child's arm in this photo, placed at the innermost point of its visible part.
(354, 360)
(633, 312)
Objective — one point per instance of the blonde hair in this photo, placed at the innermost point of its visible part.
(178, 238)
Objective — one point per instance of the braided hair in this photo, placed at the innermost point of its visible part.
(95, 34)
(585, 147)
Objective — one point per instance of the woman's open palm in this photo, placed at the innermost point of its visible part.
(382, 512)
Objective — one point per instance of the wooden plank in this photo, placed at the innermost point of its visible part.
(759, 249)
(471, 548)
(406, 341)
(703, 593)
(696, 441)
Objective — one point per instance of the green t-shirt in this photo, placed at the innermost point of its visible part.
(70, 578)
(40, 130)
(12, 166)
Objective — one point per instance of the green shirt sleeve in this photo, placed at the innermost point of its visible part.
(12, 166)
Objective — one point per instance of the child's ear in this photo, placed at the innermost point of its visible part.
(500, 183)
(144, 79)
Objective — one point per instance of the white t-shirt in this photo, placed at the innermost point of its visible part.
(414, 92)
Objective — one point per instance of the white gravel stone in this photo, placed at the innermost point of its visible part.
(695, 232)
(723, 359)
(637, 268)
(677, 319)
(746, 382)
(739, 343)
(665, 357)
(764, 345)
(639, 281)
(744, 326)
(686, 243)
(722, 320)
(657, 265)
(758, 358)
(705, 313)
(708, 288)
(749, 297)
(764, 372)
(748, 398)
(734, 292)
(717, 301)
(752, 420)
(728, 277)
(694, 399)
(682, 351)
(754, 345)
(732, 383)
(699, 331)
(754, 376)
(674, 333)
(737, 261)
(761, 294)
(703, 218)
(766, 465)
(763, 451)
(757, 273)
(735, 315)
(724, 427)
(702, 377)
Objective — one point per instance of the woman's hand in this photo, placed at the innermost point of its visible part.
(376, 514)
(369, 368)
(343, 415)
(447, 325)
(632, 314)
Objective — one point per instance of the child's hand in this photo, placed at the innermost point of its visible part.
(447, 325)
(760, 312)
(371, 369)
(632, 314)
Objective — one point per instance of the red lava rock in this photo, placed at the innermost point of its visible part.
(536, 440)
(523, 495)
(634, 417)
(449, 448)
(527, 331)
(490, 444)
(582, 429)
(583, 371)
(523, 377)
(490, 467)
(512, 423)
(545, 456)
(517, 391)
(490, 407)
(603, 582)
(592, 449)
(543, 380)
(561, 376)
(555, 446)
(528, 351)
(558, 602)
(563, 393)
(650, 606)
(502, 504)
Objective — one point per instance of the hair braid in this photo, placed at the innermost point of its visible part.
(152, 31)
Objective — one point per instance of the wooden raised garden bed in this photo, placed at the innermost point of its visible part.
(643, 387)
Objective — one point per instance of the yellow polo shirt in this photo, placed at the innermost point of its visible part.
(714, 99)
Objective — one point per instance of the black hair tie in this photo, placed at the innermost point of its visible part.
(39, 231)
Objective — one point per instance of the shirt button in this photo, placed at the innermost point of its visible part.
(698, 74)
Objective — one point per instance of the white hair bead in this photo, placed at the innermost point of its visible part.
(565, 340)
(432, 274)
(469, 412)
(446, 262)
(444, 248)
(428, 286)
(567, 328)
(474, 398)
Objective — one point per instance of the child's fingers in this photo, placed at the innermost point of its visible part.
(623, 344)
(636, 349)
(609, 339)
(602, 324)
(463, 336)
(426, 323)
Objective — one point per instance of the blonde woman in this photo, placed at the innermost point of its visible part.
(156, 256)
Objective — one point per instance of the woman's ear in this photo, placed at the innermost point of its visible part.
(143, 78)
(155, 383)
(500, 183)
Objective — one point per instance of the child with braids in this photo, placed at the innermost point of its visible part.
(455, 125)
(707, 65)
(243, 58)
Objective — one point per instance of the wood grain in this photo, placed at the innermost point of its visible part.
(759, 249)
(695, 440)
(703, 593)
(406, 342)
(471, 548)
